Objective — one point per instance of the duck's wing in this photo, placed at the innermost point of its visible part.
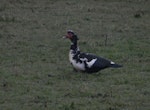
(99, 61)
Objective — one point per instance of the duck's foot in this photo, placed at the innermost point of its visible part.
(74, 70)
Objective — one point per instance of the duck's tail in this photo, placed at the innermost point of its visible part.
(114, 65)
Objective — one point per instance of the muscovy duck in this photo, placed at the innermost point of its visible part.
(86, 62)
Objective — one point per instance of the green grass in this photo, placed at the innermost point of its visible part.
(35, 73)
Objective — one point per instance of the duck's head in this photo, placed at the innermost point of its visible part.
(72, 36)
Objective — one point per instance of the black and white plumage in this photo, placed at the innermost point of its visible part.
(86, 62)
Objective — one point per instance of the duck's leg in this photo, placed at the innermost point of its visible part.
(75, 70)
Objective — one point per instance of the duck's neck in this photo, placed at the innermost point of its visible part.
(74, 48)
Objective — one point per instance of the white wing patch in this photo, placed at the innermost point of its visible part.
(112, 62)
(89, 64)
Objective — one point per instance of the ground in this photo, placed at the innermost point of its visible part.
(35, 73)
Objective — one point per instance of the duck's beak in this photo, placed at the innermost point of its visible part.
(67, 36)
(64, 37)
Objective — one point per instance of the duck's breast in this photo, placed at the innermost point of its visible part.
(77, 65)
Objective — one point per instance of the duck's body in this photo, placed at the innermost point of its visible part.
(89, 63)
(86, 62)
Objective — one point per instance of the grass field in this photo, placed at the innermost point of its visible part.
(35, 73)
